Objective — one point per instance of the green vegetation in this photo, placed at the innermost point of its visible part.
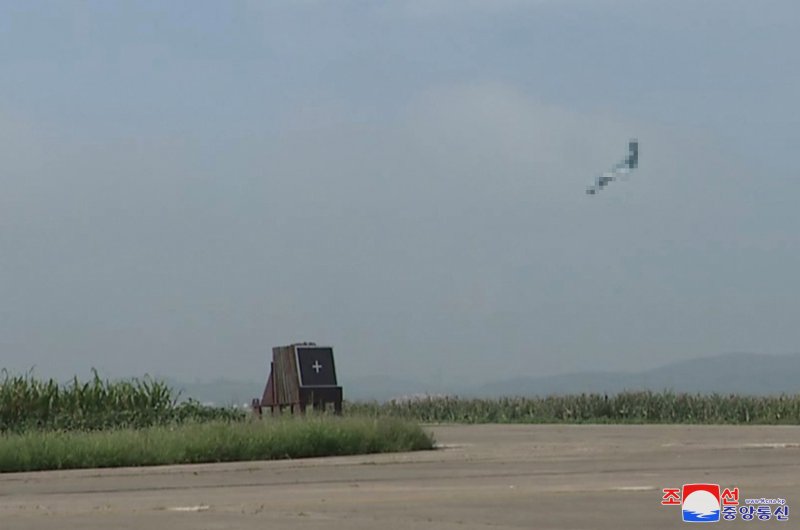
(27, 403)
(45, 425)
(626, 407)
(214, 441)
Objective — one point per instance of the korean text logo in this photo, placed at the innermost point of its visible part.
(708, 503)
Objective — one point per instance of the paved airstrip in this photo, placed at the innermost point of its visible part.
(487, 477)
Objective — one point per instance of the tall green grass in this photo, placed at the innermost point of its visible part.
(215, 441)
(626, 407)
(27, 403)
(141, 422)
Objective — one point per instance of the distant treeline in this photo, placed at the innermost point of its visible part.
(625, 407)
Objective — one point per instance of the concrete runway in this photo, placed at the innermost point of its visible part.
(488, 477)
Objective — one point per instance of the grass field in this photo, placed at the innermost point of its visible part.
(213, 441)
(47, 425)
(627, 407)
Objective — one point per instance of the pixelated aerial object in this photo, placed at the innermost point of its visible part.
(622, 168)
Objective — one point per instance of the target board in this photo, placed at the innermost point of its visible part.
(301, 374)
(316, 366)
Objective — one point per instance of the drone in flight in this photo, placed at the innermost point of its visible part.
(622, 168)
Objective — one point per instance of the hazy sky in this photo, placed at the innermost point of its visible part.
(186, 184)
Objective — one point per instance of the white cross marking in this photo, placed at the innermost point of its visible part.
(316, 366)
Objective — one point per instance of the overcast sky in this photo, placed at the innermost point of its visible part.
(185, 185)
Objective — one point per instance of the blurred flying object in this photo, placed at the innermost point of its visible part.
(622, 168)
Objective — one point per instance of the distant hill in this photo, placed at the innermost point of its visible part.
(383, 388)
(735, 373)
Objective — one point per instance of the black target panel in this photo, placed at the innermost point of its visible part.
(316, 366)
